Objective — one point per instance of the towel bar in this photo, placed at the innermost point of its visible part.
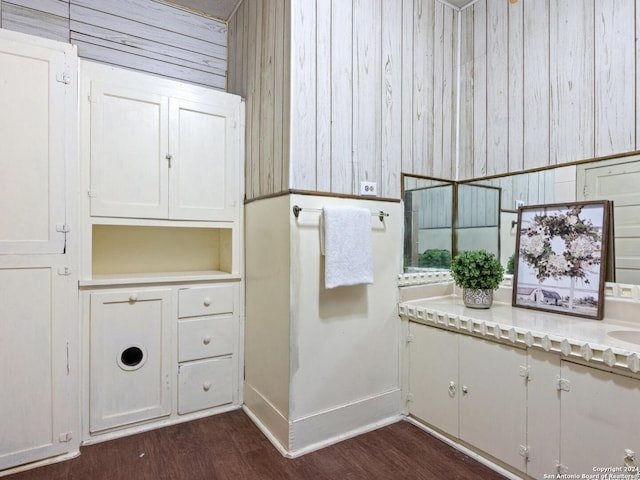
(296, 211)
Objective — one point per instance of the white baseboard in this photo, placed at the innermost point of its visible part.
(304, 435)
(267, 417)
(334, 425)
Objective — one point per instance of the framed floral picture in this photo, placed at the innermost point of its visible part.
(561, 253)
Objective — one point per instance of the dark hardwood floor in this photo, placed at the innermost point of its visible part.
(229, 446)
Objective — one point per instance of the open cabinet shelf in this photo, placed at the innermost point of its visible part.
(124, 253)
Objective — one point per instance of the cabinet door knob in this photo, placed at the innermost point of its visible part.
(465, 389)
(207, 301)
(133, 297)
(206, 340)
(452, 389)
(206, 386)
(630, 458)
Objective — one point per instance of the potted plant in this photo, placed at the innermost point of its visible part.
(478, 273)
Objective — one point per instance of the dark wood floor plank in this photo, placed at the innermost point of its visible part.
(230, 447)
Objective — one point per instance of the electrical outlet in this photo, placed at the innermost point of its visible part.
(368, 188)
(519, 203)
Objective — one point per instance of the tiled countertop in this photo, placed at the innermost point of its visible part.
(607, 342)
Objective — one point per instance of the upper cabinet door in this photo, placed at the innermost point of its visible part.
(159, 149)
(204, 143)
(37, 95)
(129, 157)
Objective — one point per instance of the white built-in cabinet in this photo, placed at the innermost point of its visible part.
(39, 379)
(529, 409)
(161, 284)
(455, 383)
(155, 155)
(581, 417)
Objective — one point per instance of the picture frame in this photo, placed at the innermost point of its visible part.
(561, 257)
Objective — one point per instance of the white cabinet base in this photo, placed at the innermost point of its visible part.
(146, 367)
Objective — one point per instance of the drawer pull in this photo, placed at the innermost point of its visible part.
(133, 297)
(206, 386)
(207, 301)
(206, 340)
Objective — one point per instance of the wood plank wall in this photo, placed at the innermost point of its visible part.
(259, 54)
(372, 92)
(142, 35)
(43, 18)
(546, 82)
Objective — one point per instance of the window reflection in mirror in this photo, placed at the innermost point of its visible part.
(532, 188)
(428, 220)
(477, 224)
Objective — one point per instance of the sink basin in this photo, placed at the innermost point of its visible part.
(631, 336)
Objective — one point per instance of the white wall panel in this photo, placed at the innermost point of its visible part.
(479, 89)
(497, 86)
(465, 112)
(366, 101)
(571, 79)
(615, 70)
(391, 98)
(536, 89)
(515, 82)
(303, 131)
(259, 49)
(341, 88)
(572, 84)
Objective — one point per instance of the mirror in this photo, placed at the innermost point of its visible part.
(486, 209)
(428, 222)
(477, 221)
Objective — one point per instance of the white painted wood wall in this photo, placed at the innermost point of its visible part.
(341, 92)
(546, 82)
(143, 35)
(374, 88)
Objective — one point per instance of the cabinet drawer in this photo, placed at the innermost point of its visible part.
(200, 301)
(205, 384)
(205, 337)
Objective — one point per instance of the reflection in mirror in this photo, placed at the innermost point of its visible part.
(428, 217)
(613, 179)
(477, 224)
(532, 188)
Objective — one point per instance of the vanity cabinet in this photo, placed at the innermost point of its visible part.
(599, 421)
(154, 154)
(471, 389)
(531, 409)
(580, 417)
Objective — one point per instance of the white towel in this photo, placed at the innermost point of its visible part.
(346, 246)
